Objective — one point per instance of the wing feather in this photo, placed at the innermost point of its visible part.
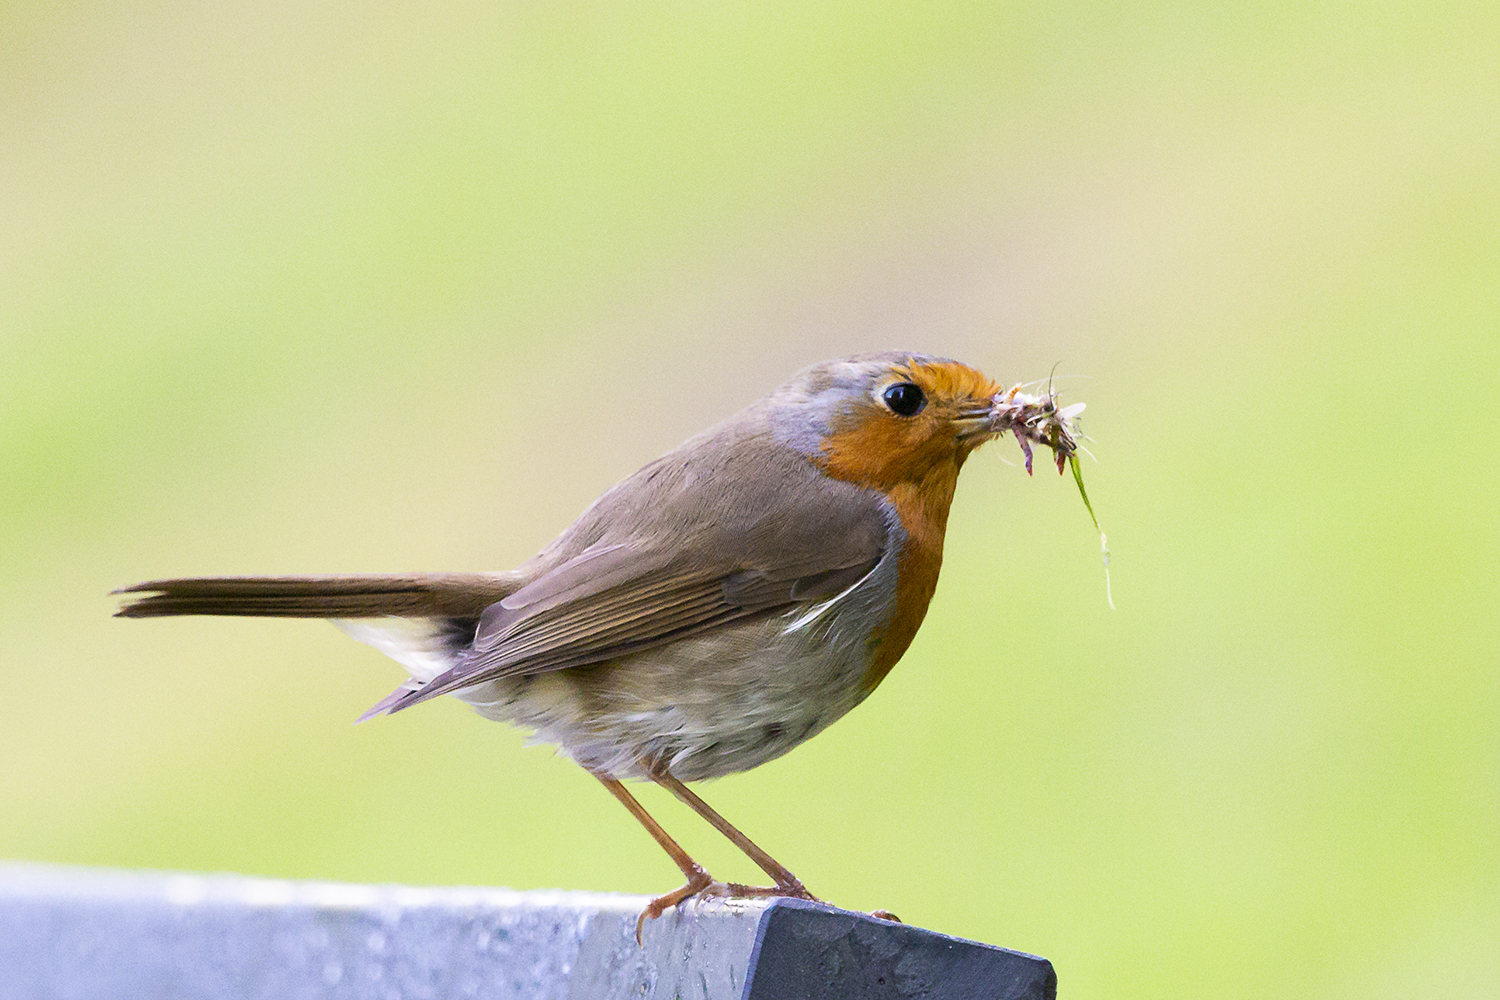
(660, 558)
(633, 614)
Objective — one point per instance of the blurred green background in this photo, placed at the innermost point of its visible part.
(305, 288)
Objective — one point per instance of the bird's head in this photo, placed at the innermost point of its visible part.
(884, 419)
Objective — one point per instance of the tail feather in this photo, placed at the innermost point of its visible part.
(414, 596)
(424, 622)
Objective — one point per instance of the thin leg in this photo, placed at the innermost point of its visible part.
(697, 878)
(787, 883)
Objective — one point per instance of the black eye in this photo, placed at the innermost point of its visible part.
(904, 399)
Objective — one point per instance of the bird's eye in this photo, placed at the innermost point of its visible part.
(904, 398)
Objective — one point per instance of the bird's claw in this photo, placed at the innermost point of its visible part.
(697, 882)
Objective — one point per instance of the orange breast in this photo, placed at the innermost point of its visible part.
(923, 509)
(921, 497)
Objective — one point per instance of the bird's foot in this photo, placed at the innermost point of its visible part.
(793, 889)
(701, 885)
(885, 915)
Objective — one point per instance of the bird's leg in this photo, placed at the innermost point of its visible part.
(697, 878)
(787, 884)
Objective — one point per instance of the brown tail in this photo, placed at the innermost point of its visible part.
(459, 595)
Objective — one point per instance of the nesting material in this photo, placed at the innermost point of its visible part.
(1038, 420)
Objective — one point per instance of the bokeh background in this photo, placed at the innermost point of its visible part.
(325, 287)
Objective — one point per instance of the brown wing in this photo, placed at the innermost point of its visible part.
(630, 601)
(730, 526)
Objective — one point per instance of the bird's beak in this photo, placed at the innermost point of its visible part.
(976, 424)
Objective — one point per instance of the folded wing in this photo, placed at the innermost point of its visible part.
(623, 598)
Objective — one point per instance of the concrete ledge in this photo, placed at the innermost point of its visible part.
(87, 933)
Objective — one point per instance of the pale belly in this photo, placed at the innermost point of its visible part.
(704, 707)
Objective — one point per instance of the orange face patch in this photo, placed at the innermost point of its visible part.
(872, 446)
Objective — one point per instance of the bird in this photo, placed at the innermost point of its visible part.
(710, 612)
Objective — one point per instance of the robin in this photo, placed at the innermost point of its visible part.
(710, 612)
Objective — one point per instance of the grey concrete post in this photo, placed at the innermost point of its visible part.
(80, 934)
